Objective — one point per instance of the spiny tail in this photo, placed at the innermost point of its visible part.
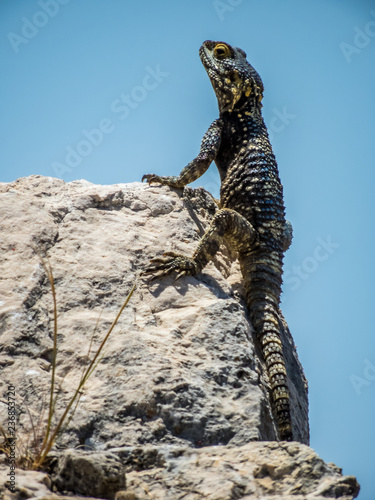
(262, 280)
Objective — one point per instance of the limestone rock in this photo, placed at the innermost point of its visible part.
(258, 470)
(98, 475)
(253, 471)
(29, 484)
(181, 367)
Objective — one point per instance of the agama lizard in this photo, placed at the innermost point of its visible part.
(251, 215)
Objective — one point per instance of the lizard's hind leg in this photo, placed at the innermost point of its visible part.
(226, 223)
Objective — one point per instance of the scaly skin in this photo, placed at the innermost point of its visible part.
(251, 215)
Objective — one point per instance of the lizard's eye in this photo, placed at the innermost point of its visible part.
(221, 51)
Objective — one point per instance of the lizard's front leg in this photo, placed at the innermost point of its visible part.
(226, 223)
(197, 167)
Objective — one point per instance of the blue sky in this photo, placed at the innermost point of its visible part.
(108, 90)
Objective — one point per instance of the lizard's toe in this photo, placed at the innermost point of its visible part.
(169, 263)
(151, 178)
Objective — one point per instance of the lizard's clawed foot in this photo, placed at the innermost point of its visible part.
(169, 263)
(152, 178)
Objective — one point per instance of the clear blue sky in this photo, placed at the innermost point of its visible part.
(131, 70)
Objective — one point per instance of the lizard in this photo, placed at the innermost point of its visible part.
(251, 214)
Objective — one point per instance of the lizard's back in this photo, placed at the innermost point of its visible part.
(250, 182)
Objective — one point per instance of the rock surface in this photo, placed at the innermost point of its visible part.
(99, 475)
(180, 371)
(258, 470)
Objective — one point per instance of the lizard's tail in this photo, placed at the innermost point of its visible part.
(262, 282)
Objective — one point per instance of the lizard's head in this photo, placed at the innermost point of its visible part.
(234, 80)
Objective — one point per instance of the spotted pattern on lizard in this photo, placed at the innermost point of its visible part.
(251, 213)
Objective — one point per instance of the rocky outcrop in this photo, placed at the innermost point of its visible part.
(258, 470)
(181, 381)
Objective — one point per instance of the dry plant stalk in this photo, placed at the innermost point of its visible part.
(34, 460)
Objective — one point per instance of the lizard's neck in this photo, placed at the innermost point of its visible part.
(250, 110)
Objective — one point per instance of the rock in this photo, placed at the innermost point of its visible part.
(181, 367)
(29, 484)
(256, 470)
(98, 475)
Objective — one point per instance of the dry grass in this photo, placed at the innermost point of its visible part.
(33, 448)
